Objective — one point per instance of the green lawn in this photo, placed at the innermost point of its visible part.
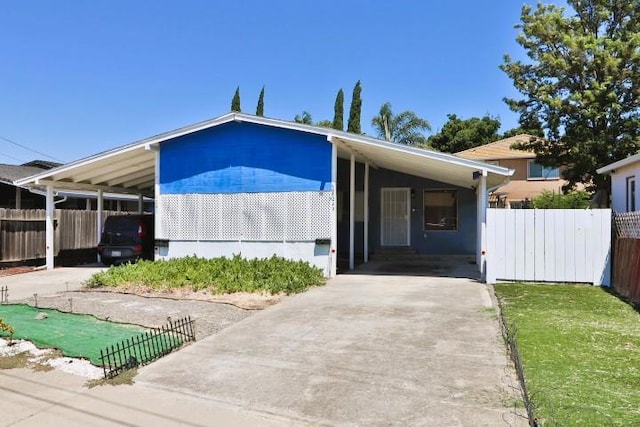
(580, 347)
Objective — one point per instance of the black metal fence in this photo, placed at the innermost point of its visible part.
(146, 347)
(509, 335)
(4, 295)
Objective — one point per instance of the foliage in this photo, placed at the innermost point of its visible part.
(304, 118)
(338, 111)
(580, 347)
(219, 275)
(578, 199)
(458, 134)
(353, 125)
(404, 128)
(260, 107)
(235, 102)
(582, 82)
(325, 123)
(4, 326)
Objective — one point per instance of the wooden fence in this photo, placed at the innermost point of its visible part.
(549, 245)
(22, 232)
(626, 255)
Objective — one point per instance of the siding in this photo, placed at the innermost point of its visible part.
(245, 158)
(619, 187)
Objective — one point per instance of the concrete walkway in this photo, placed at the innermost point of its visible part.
(46, 282)
(365, 350)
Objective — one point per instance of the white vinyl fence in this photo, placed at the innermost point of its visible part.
(549, 245)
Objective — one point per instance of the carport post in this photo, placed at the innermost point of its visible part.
(140, 204)
(99, 221)
(49, 227)
(481, 238)
(352, 209)
(366, 212)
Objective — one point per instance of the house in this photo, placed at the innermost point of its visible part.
(15, 197)
(242, 184)
(530, 178)
(624, 174)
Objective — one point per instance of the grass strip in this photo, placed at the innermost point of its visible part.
(580, 348)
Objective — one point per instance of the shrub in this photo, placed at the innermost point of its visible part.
(219, 275)
(4, 326)
(578, 199)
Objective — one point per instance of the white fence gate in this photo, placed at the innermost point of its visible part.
(549, 245)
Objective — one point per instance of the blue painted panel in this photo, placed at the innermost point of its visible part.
(245, 157)
(460, 242)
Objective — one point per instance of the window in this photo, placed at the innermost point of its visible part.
(631, 194)
(440, 210)
(537, 171)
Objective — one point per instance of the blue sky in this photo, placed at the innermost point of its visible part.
(80, 77)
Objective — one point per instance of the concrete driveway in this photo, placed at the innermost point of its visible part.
(365, 350)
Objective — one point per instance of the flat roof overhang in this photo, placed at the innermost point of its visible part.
(131, 169)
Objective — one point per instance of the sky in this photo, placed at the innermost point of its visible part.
(81, 77)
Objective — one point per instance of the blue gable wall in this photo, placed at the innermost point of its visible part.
(432, 242)
(245, 157)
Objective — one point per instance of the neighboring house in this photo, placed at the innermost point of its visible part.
(530, 178)
(14, 197)
(242, 184)
(624, 174)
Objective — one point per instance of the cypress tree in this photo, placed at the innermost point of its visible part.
(353, 125)
(338, 111)
(260, 109)
(235, 103)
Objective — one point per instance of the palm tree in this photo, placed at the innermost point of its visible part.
(404, 128)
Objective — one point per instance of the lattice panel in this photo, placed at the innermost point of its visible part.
(291, 216)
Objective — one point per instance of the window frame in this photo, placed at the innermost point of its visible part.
(631, 195)
(541, 178)
(424, 209)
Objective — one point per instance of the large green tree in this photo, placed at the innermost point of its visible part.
(235, 102)
(353, 125)
(338, 111)
(260, 107)
(458, 134)
(405, 127)
(582, 82)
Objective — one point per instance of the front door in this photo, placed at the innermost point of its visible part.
(396, 203)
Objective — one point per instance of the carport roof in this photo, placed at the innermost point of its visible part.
(130, 169)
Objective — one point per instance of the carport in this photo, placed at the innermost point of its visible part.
(134, 169)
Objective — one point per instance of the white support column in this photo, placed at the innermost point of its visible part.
(87, 205)
(366, 212)
(140, 204)
(352, 211)
(18, 198)
(99, 212)
(481, 232)
(118, 205)
(333, 249)
(156, 197)
(49, 239)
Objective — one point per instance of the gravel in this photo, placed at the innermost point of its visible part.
(210, 317)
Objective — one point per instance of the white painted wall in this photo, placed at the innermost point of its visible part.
(619, 187)
(549, 245)
(317, 255)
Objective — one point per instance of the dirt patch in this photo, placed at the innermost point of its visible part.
(244, 300)
(10, 271)
(211, 313)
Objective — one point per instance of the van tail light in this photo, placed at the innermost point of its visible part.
(137, 248)
(141, 230)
